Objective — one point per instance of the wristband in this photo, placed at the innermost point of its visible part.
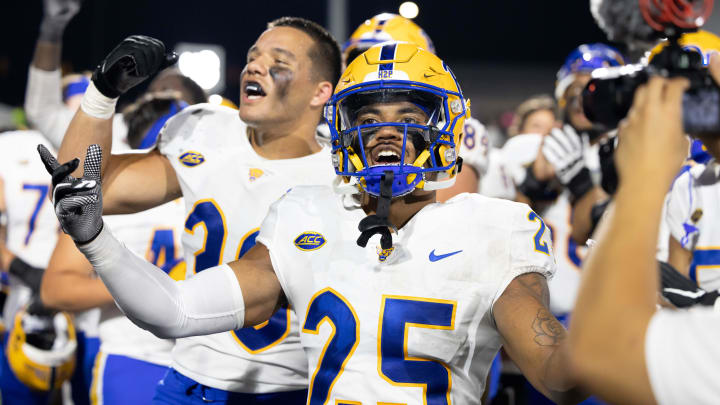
(29, 275)
(580, 185)
(535, 189)
(596, 213)
(97, 105)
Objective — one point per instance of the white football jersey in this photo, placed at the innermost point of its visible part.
(682, 356)
(475, 146)
(155, 235)
(693, 215)
(32, 227)
(497, 182)
(412, 324)
(227, 189)
(519, 152)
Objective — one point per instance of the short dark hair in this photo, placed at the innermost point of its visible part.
(325, 54)
(142, 114)
(197, 94)
(192, 93)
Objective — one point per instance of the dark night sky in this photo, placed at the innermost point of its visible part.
(518, 33)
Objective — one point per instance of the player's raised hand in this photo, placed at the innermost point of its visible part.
(563, 149)
(56, 15)
(77, 202)
(131, 62)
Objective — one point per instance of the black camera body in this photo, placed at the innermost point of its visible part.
(608, 96)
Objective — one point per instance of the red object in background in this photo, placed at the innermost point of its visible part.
(687, 14)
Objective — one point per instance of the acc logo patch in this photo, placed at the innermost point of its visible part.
(191, 159)
(309, 241)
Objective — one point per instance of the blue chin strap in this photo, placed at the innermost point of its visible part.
(399, 183)
(379, 222)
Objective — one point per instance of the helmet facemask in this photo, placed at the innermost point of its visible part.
(424, 134)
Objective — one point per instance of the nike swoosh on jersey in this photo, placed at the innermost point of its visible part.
(434, 258)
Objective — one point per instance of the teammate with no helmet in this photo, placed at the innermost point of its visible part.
(229, 168)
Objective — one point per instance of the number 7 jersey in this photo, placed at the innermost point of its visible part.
(412, 324)
(227, 190)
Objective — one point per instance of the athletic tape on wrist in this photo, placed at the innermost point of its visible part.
(95, 104)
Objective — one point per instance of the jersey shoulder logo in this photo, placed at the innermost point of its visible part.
(383, 254)
(191, 158)
(308, 241)
(433, 257)
(255, 174)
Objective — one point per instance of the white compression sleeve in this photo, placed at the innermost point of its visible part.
(209, 302)
(44, 106)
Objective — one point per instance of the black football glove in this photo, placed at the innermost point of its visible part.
(78, 202)
(681, 291)
(131, 62)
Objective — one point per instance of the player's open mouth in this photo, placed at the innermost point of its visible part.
(253, 90)
(385, 155)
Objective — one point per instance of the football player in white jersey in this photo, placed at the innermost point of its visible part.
(693, 207)
(414, 314)
(229, 168)
(52, 99)
(31, 235)
(129, 356)
(554, 172)
(392, 27)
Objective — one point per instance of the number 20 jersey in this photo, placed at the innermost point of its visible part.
(228, 189)
(412, 325)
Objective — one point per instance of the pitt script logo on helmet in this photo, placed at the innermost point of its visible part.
(383, 28)
(393, 72)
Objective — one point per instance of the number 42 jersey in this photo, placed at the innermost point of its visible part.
(411, 324)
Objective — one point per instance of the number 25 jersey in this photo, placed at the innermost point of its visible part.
(412, 324)
(227, 190)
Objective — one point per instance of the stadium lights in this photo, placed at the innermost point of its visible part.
(204, 63)
(409, 10)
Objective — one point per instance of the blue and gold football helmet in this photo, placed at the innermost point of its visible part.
(382, 28)
(398, 72)
(584, 59)
(703, 42)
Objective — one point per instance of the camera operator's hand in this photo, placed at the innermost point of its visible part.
(56, 16)
(131, 62)
(78, 202)
(651, 141)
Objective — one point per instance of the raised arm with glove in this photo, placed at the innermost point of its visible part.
(144, 292)
(134, 60)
